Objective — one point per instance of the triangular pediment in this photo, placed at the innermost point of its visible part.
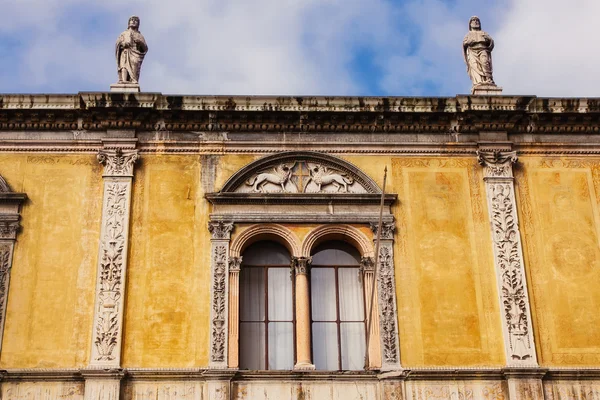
(300, 173)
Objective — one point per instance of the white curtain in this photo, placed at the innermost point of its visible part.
(279, 330)
(351, 350)
(281, 315)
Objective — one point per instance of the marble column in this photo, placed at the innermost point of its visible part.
(386, 290)
(368, 268)
(301, 268)
(219, 289)
(10, 204)
(102, 377)
(234, 310)
(519, 343)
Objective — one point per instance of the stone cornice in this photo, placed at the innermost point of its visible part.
(205, 115)
(203, 374)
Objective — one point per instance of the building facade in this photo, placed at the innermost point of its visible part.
(196, 247)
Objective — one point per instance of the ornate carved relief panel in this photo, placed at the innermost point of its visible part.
(10, 203)
(508, 257)
(112, 257)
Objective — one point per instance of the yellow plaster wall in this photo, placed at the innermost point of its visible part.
(558, 209)
(445, 278)
(51, 294)
(167, 310)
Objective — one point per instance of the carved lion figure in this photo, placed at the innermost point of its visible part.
(320, 175)
(281, 174)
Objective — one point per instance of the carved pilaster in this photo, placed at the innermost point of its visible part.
(234, 310)
(367, 266)
(508, 257)
(10, 204)
(102, 384)
(221, 234)
(112, 257)
(386, 290)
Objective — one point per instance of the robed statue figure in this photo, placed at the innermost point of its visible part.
(477, 50)
(130, 51)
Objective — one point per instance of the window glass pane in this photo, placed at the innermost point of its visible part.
(266, 253)
(252, 294)
(252, 345)
(323, 294)
(280, 294)
(353, 345)
(351, 295)
(325, 346)
(335, 253)
(281, 345)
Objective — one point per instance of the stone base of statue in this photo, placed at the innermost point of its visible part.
(486, 90)
(125, 87)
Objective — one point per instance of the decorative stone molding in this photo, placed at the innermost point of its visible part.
(118, 162)
(112, 257)
(221, 234)
(508, 257)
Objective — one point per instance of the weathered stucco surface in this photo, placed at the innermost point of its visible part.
(166, 317)
(50, 306)
(558, 199)
(446, 289)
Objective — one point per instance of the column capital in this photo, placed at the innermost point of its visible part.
(235, 264)
(9, 227)
(367, 264)
(301, 265)
(117, 162)
(220, 230)
(497, 163)
(387, 230)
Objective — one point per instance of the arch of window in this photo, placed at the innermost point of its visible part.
(274, 232)
(346, 233)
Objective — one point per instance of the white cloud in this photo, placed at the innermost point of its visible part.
(209, 47)
(549, 48)
(543, 47)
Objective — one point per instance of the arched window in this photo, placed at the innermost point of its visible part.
(338, 307)
(266, 330)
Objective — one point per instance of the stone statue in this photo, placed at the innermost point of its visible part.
(477, 50)
(130, 51)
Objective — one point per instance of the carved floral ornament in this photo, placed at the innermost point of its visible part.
(497, 163)
(118, 162)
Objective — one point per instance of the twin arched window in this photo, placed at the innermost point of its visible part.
(267, 318)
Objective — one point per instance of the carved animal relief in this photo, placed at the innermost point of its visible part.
(301, 176)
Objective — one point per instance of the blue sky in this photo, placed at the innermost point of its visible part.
(301, 47)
